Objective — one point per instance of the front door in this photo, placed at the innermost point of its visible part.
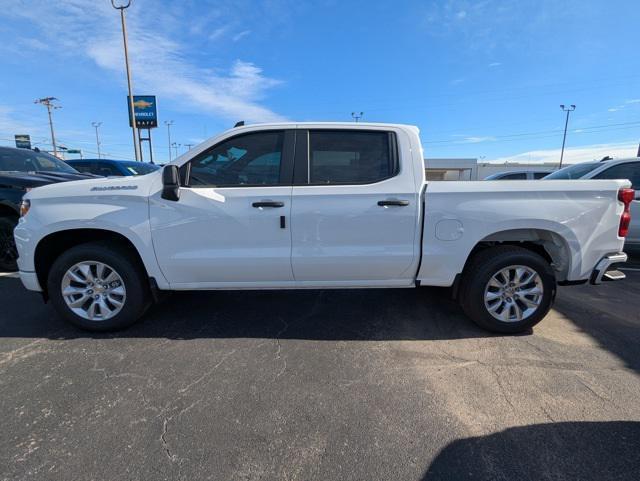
(230, 227)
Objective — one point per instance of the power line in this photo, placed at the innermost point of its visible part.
(541, 133)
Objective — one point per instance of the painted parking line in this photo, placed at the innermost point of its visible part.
(14, 275)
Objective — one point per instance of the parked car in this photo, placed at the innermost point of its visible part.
(20, 171)
(316, 205)
(610, 169)
(520, 174)
(111, 168)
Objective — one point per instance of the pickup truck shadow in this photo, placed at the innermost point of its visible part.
(557, 451)
(356, 314)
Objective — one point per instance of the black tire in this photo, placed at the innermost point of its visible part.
(480, 270)
(120, 259)
(8, 251)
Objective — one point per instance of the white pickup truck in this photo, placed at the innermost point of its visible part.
(316, 205)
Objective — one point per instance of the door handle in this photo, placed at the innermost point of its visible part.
(268, 203)
(399, 203)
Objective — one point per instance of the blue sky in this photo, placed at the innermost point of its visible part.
(480, 78)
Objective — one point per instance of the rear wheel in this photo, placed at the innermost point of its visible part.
(507, 289)
(8, 251)
(98, 287)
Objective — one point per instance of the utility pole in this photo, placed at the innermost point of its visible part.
(95, 126)
(169, 123)
(48, 103)
(132, 117)
(357, 116)
(188, 146)
(568, 110)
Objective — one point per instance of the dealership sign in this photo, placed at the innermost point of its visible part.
(23, 141)
(144, 109)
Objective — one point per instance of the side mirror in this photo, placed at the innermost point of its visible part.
(171, 182)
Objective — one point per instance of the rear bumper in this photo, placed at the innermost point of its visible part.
(603, 270)
(30, 281)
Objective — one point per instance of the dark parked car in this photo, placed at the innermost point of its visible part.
(20, 171)
(109, 168)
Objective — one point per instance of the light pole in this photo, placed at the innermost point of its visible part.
(169, 123)
(48, 103)
(357, 116)
(95, 126)
(175, 146)
(188, 146)
(568, 110)
(132, 117)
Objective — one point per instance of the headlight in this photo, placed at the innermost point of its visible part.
(25, 205)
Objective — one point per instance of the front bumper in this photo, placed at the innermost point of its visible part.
(30, 281)
(603, 271)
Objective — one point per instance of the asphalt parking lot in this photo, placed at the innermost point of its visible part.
(326, 385)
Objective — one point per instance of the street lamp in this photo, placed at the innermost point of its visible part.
(48, 103)
(169, 123)
(132, 117)
(175, 146)
(569, 109)
(357, 116)
(95, 126)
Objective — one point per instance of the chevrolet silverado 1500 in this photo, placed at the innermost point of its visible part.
(316, 205)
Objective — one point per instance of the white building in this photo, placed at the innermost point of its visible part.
(470, 169)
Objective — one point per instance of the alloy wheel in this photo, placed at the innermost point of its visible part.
(93, 290)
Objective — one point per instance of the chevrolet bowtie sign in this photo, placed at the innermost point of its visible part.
(144, 109)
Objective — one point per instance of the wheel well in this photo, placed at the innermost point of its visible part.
(53, 245)
(551, 246)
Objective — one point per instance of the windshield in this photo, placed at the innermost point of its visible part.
(576, 171)
(25, 160)
(140, 168)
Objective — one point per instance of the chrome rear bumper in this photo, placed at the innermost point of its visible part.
(603, 272)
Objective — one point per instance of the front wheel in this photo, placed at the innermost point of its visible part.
(507, 289)
(98, 287)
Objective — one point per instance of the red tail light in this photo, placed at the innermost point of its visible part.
(625, 196)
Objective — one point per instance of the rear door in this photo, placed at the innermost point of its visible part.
(630, 171)
(354, 207)
(230, 227)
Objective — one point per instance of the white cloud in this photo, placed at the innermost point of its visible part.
(11, 124)
(478, 139)
(624, 105)
(495, 64)
(161, 64)
(573, 154)
(241, 35)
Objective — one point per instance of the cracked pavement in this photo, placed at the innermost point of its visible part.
(326, 385)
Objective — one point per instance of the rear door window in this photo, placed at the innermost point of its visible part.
(350, 156)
